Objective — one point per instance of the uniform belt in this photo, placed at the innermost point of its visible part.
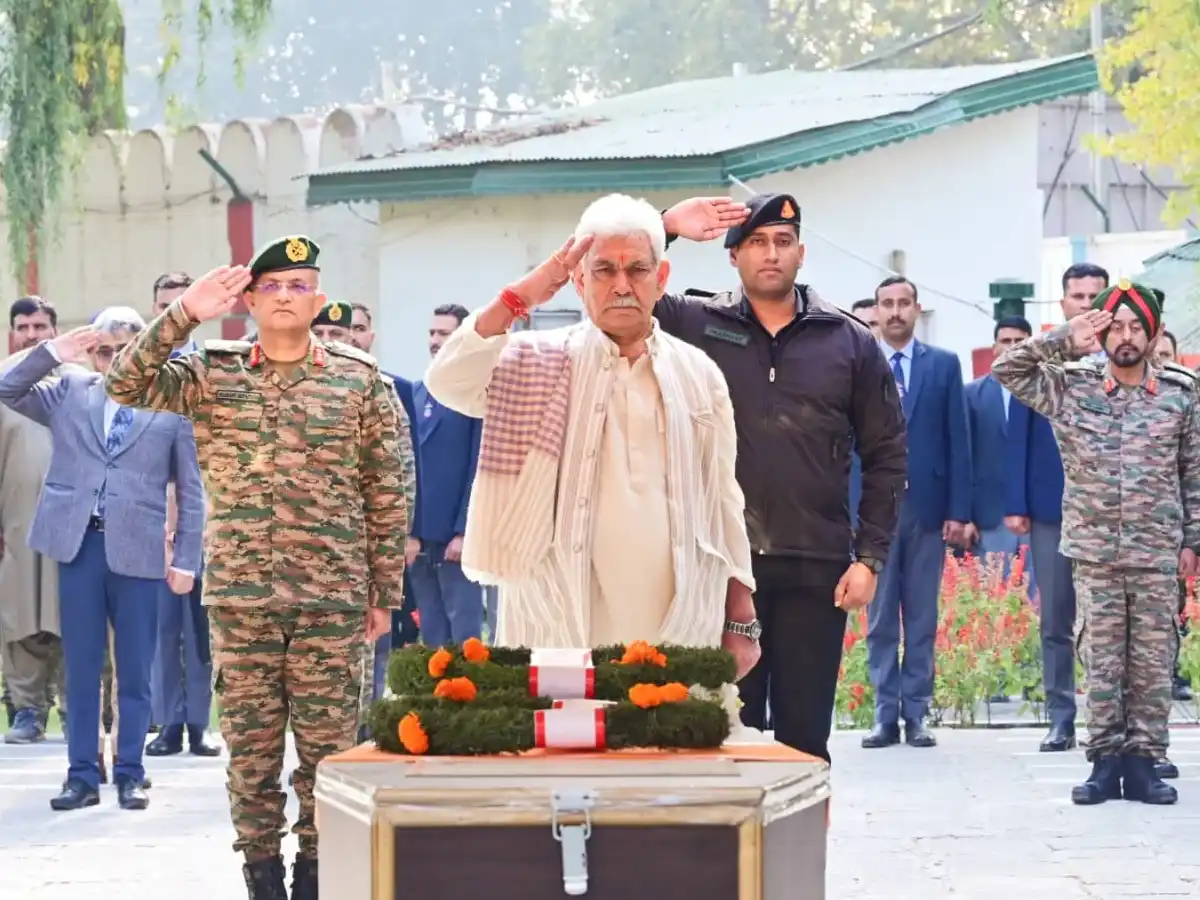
(95, 523)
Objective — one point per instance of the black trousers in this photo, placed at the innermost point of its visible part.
(801, 652)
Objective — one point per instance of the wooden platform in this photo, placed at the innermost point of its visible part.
(747, 822)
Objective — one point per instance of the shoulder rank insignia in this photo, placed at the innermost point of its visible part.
(337, 348)
(216, 345)
(1181, 375)
(696, 292)
(296, 250)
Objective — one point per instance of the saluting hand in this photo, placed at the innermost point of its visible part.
(73, 346)
(216, 294)
(704, 218)
(540, 285)
(1084, 337)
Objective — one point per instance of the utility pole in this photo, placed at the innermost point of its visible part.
(1099, 104)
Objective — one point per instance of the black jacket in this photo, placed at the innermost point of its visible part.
(803, 400)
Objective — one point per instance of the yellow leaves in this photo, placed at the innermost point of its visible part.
(1153, 71)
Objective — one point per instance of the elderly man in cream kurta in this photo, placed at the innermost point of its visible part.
(605, 505)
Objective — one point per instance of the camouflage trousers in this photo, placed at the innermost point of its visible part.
(1127, 638)
(270, 667)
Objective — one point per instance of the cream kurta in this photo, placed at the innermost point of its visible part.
(633, 576)
(652, 559)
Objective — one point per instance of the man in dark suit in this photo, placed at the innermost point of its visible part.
(1033, 492)
(404, 626)
(934, 512)
(102, 516)
(988, 406)
(447, 447)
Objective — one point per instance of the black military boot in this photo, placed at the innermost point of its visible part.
(1103, 784)
(1143, 784)
(265, 879)
(304, 878)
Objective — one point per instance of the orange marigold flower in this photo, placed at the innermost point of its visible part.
(642, 653)
(674, 692)
(645, 695)
(412, 735)
(439, 662)
(460, 689)
(475, 650)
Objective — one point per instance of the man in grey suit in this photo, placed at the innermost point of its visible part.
(102, 516)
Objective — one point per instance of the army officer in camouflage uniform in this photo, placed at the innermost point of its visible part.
(298, 442)
(1130, 440)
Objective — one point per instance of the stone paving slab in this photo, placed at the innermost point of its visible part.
(983, 816)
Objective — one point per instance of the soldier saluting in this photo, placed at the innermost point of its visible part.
(1129, 434)
(299, 446)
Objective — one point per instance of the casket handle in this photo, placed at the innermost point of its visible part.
(573, 838)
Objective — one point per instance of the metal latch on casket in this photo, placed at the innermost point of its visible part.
(573, 838)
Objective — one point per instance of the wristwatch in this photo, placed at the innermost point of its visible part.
(751, 629)
(871, 563)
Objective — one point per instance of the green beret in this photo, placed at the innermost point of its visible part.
(765, 209)
(337, 314)
(282, 254)
(1141, 300)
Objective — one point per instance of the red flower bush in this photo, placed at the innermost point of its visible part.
(987, 643)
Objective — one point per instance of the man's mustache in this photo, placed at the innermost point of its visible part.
(623, 303)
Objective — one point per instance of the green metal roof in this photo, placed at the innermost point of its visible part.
(1176, 272)
(697, 134)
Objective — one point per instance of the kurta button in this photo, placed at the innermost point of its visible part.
(599, 407)
(607, 365)
(583, 501)
(578, 548)
(591, 453)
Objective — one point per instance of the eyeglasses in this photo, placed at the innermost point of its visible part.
(270, 288)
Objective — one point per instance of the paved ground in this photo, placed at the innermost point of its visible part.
(983, 816)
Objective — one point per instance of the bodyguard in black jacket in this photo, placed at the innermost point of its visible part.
(808, 383)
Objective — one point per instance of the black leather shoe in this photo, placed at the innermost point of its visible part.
(130, 794)
(917, 735)
(75, 795)
(265, 879)
(168, 743)
(1059, 739)
(304, 878)
(1103, 784)
(1181, 691)
(882, 736)
(200, 744)
(1165, 769)
(1142, 784)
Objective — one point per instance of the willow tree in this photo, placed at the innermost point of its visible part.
(1153, 71)
(62, 80)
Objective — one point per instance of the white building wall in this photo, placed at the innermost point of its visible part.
(147, 203)
(960, 207)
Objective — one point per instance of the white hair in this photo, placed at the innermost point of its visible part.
(620, 215)
(115, 319)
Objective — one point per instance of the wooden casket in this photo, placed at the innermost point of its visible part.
(743, 823)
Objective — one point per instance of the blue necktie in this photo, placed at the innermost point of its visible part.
(898, 371)
(116, 435)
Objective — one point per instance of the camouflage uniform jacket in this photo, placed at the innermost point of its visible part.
(303, 470)
(1131, 457)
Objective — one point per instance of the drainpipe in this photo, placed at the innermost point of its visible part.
(239, 230)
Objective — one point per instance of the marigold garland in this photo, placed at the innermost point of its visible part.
(414, 671)
(438, 727)
(476, 651)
